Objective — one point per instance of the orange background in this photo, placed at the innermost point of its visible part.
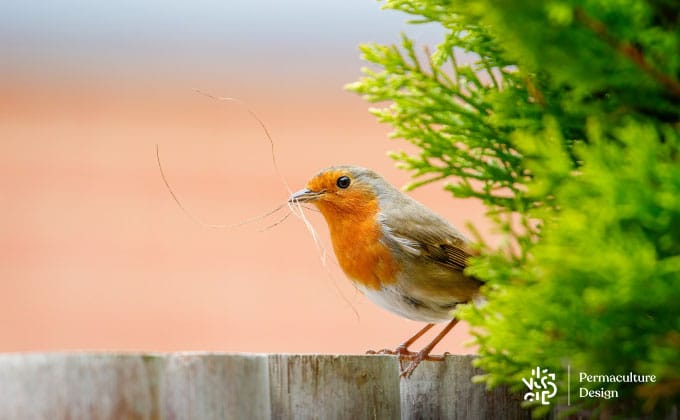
(94, 254)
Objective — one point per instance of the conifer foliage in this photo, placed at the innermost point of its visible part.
(563, 116)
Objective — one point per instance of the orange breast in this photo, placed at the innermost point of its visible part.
(356, 241)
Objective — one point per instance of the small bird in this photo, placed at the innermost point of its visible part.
(397, 252)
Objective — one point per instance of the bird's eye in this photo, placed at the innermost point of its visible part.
(343, 182)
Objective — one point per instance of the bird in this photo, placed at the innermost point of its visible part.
(401, 255)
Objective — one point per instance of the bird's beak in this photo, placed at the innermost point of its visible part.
(305, 195)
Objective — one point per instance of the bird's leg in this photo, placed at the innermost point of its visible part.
(402, 349)
(424, 354)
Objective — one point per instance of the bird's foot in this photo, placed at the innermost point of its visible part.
(401, 351)
(415, 359)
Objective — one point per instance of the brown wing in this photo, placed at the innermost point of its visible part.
(452, 255)
(435, 242)
(422, 232)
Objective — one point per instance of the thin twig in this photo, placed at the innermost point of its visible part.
(196, 219)
(627, 50)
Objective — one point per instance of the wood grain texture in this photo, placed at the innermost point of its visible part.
(445, 391)
(237, 386)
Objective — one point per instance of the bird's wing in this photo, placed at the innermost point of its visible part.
(430, 237)
(450, 254)
(449, 251)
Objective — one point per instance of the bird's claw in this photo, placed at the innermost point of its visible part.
(416, 358)
(400, 351)
(382, 351)
(437, 358)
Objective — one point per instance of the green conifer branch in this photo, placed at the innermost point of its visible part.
(566, 124)
(627, 50)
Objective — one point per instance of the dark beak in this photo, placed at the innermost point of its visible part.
(305, 195)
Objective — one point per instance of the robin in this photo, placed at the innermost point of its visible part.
(398, 253)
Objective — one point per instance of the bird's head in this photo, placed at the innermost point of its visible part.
(342, 190)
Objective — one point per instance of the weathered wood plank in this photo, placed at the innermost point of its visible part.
(209, 386)
(75, 386)
(334, 387)
(219, 386)
(445, 391)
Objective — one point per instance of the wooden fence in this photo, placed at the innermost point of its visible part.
(243, 386)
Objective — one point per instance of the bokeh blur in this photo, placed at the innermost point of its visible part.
(95, 254)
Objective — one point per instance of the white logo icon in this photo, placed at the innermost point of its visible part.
(541, 386)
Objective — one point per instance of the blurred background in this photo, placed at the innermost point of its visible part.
(94, 253)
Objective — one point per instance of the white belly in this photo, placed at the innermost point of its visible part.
(392, 298)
